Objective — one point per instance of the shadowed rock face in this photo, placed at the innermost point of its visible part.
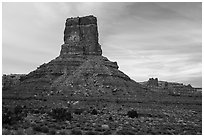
(80, 70)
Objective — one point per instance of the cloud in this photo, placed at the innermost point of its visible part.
(146, 39)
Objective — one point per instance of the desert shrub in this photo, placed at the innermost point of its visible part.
(35, 111)
(132, 114)
(58, 127)
(45, 129)
(40, 128)
(94, 112)
(110, 118)
(18, 109)
(41, 110)
(52, 132)
(60, 114)
(91, 133)
(64, 132)
(125, 132)
(6, 116)
(99, 129)
(15, 126)
(29, 131)
(37, 128)
(76, 132)
(107, 132)
(12, 116)
(6, 132)
(78, 111)
(20, 132)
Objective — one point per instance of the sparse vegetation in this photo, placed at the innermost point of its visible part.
(125, 132)
(132, 114)
(11, 116)
(94, 112)
(61, 114)
(78, 111)
(76, 132)
(120, 119)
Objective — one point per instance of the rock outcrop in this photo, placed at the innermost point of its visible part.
(80, 70)
(152, 82)
(172, 88)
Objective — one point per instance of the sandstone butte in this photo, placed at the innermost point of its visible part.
(80, 71)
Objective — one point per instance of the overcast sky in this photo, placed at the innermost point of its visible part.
(162, 40)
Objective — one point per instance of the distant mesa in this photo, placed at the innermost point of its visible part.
(172, 88)
(153, 82)
(80, 70)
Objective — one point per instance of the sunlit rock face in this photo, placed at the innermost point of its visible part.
(81, 37)
(80, 70)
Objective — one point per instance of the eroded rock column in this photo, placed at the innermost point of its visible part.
(81, 37)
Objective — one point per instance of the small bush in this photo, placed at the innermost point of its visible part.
(12, 116)
(76, 132)
(35, 111)
(91, 133)
(78, 111)
(94, 112)
(20, 132)
(64, 132)
(52, 132)
(18, 109)
(37, 128)
(45, 129)
(99, 129)
(132, 114)
(6, 116)
(110, 118)
(42, 129)
(6, 132)
(107, 132)
(61, 114)
(125, 132)
(29, 131)
(58, 127)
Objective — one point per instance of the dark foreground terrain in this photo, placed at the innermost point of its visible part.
(158, 114)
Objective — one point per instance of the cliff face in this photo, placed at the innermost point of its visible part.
(80, 69)
(81, 37)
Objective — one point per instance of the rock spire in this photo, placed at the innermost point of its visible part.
(81, 37)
